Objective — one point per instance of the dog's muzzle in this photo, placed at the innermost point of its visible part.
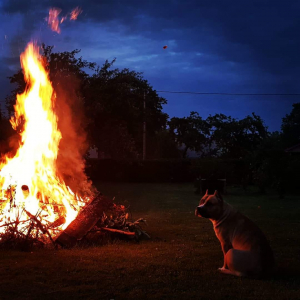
(200, 211)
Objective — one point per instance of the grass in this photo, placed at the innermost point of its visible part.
(179, 262)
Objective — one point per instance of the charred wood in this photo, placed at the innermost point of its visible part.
(84, 222)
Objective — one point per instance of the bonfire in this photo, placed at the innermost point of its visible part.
(36, 205)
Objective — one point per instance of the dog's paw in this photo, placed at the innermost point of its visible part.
(229, 272)
(221, 270)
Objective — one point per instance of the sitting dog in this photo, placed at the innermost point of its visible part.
(245, 248)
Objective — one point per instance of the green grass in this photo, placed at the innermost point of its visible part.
(179, 262)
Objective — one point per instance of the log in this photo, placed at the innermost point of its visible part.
(84, 222)
(59, 221)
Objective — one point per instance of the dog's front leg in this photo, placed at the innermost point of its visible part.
(225, 248)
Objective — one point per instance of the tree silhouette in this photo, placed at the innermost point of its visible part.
(291, 127)
(191, 132)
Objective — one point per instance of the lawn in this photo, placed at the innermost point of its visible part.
(179, 262)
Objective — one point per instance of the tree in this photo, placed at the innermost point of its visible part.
(290, 127)
(268, 163)
(10, 100)
(8, 139)
(163, 146)
(191, 132)
(117, 96)
(236, 138)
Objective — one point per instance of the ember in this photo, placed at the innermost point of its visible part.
(53, 20)
(75, 13)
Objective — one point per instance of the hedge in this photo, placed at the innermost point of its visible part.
(186, 170)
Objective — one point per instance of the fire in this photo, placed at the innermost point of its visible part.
(30, 184)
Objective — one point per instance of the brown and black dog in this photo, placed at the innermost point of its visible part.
(245, 248)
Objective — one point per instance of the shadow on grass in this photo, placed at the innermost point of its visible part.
(285, 274)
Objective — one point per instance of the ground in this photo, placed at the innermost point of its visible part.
(179, 262)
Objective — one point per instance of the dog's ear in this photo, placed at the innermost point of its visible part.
(218, 195)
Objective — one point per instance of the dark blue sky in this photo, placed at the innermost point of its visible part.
(231, 46)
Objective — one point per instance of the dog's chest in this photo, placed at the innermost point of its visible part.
(224, 235)
(228, 231)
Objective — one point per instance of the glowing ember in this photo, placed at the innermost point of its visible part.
(75, 13)
(53, 20)
(29, 182)
(63, 19)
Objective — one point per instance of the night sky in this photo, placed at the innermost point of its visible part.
(231, 46)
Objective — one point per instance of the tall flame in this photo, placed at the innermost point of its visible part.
(29, 182)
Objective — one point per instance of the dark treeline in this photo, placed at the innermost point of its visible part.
(108, 104)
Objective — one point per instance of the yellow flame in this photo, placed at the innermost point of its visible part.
(34, 164)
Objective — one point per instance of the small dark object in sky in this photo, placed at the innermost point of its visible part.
(165, 47)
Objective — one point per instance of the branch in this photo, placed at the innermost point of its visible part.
(40, 225)
(118, 231)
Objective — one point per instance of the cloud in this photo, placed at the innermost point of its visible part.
(263, 32)
(213, 45)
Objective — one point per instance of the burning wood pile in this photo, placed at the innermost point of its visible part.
(101, 215)
(36, 205)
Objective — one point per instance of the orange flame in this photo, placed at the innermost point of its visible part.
(29, 182)
(53, 20)
(75, 13)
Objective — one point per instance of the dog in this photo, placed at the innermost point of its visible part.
(245, 247)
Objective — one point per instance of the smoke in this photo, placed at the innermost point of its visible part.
(73, 145)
